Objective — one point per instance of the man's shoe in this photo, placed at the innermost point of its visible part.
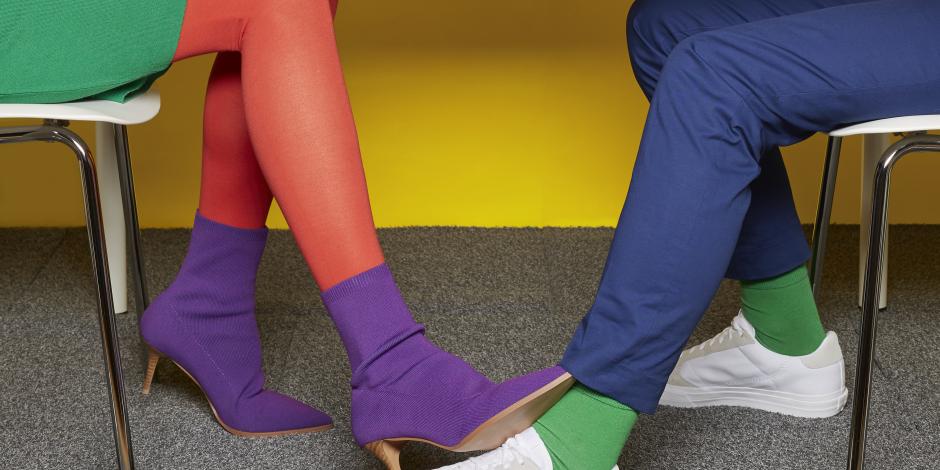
(524, 451)
(734, 369)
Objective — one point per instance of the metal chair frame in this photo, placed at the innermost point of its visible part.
(919, 142)
(57, 131)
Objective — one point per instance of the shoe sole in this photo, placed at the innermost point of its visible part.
(493, 432)
(154, 357)
(792, 404)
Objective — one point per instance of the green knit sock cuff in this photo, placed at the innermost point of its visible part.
(788, 279)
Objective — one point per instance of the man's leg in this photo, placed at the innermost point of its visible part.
(771, 243)
(769, 259)
(723, 99)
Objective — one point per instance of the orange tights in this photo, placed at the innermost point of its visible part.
(278, 124)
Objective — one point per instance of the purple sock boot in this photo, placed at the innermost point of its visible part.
(205, 323)
(405, 388)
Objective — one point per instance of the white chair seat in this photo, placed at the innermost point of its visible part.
(106, 115)
(924, 122)
(138, 109)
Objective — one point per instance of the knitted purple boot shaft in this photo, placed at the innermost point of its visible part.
(369, 311)
(404, 385)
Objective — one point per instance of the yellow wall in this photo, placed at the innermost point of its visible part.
(470, 112)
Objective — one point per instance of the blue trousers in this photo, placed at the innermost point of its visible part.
(730, 82)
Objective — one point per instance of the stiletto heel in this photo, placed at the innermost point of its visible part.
(153, 357)
(388, 452)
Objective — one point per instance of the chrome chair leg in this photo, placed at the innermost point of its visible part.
(54, 131)
(824, 212)
(109, 337)
(130, 216)
(872, 288)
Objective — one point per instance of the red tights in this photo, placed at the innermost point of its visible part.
(278, 124)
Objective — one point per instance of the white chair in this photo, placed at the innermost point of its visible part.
(110, 214)
(876, 179)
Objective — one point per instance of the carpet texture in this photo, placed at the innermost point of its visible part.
(506, 300)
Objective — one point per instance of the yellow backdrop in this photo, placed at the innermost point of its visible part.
(470, 112)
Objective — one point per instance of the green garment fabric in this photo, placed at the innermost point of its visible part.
(585, 430)
(783, 313)
(54, 51)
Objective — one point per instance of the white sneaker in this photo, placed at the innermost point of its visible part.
(733, 369)
(524, 451)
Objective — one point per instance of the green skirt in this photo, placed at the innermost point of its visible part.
(54, 51)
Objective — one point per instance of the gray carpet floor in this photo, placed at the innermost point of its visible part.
(505, 300)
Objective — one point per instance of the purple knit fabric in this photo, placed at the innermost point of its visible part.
(205, 322)
(404, 385)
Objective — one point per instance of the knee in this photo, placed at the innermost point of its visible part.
(296, 10)
(655, 27)
(645, 25)
(705, 61)
(726, 64)
(705, 76)
(653, 30)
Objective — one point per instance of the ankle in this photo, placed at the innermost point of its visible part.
(369, 313)
(783, 312)
(585, 430)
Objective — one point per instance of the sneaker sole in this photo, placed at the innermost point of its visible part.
(803, 406)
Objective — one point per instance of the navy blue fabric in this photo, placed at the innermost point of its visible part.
(730, 82)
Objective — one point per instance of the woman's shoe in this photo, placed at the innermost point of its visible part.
(462, 411)
(411, 390)
(205, 324)
(276, 415)
(405, 388)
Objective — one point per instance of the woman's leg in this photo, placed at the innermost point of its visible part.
(300, 123)
(212, 298)
(229, 231)
(304, 138)
(234, 191)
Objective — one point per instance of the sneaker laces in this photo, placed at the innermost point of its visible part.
(736, 330)
(512, 454)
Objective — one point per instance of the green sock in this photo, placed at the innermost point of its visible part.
(585, 430)
(783, 312)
